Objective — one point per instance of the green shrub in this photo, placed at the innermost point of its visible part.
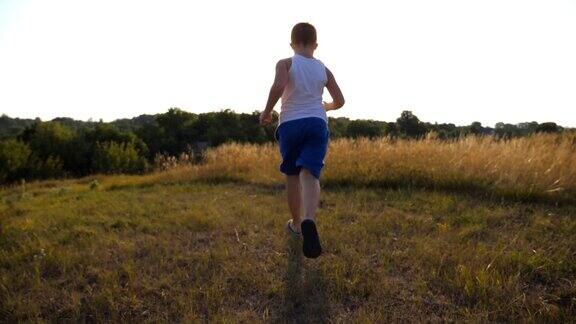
(50, 139)
(113, 157)
(14, 157)
(48, 168)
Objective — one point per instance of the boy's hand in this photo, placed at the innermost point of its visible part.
(265, 118)
(328, 105)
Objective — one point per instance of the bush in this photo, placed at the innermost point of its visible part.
(49, 139)
(49, 168)
(113, 157)
(365, 128)
(14, 157)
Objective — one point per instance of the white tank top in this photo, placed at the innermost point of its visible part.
(302, 96)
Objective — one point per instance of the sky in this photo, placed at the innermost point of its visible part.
(454, 61)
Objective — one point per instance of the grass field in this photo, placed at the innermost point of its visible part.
(206, 243)
(217, 251)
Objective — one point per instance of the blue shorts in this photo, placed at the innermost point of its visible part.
(303, 143)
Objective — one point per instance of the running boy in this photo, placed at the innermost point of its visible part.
(302, 130)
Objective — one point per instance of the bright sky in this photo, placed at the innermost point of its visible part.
(448, 61)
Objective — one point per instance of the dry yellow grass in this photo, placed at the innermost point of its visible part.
(540, 166)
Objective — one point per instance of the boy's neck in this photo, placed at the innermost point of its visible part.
(305, 53)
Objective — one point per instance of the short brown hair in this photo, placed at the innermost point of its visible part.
(304, 34)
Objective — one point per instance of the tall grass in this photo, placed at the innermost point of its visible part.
(539, 166)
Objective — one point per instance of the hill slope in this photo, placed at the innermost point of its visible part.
(120, 249)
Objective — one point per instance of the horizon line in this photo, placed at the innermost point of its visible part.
(97, 120)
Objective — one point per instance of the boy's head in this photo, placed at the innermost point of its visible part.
(303, 37)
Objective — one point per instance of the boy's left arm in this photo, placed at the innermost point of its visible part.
(280, 81)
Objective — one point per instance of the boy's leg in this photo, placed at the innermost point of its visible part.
(310, 193)
(310, 199)
(293, 192)
(311, 161)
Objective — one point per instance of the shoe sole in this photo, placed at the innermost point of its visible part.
(311, 246)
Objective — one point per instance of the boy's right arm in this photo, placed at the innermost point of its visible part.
(335, 93)
(280, 81)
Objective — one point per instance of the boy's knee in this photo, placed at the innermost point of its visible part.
(314, 172)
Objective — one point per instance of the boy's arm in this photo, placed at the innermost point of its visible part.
(280, 81)
(335, 93)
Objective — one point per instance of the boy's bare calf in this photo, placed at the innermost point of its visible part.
(303, 194)
(294, 192)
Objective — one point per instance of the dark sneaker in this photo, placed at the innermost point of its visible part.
(311, 246)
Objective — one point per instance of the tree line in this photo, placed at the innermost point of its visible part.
(63, 147)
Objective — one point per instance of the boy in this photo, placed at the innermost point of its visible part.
(302, 130)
